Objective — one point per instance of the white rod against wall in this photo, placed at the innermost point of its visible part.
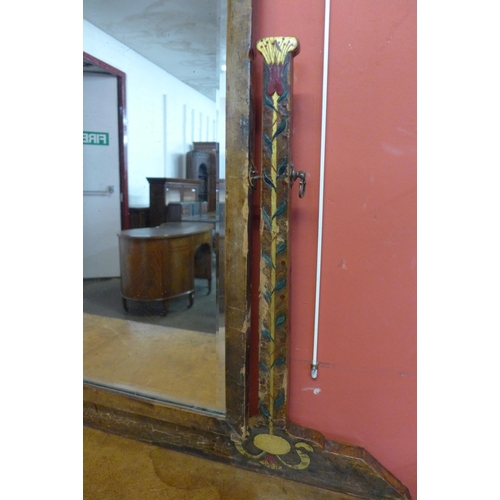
(314, 364)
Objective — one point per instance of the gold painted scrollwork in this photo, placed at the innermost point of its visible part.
(273, 449)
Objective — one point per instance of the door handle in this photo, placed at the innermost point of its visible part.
(110, 190)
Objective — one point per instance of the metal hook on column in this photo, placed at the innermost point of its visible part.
(301, 175)
(253, 175)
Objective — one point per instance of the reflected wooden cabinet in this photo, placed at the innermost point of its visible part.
(202, 163)
(164, 190)
(158, 264)
(139, 217)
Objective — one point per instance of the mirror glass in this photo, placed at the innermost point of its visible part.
(153, 295)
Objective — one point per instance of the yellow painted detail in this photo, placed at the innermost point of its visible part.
(275, 445)
(239, 447)
(275, 49)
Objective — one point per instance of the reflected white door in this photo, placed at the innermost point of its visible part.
(101, 177)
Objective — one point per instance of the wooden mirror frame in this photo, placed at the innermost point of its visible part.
(184, 426)
(222, 436)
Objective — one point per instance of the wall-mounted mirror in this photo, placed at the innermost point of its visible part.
(125, 356)
(153, 288)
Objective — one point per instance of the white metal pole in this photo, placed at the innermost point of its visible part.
(314, 364)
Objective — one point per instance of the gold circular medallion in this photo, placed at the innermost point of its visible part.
(275, 445)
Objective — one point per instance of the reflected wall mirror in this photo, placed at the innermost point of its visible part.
(267, 442)
(154, 193)
(105, 396)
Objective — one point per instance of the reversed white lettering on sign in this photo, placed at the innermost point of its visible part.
(96, 138)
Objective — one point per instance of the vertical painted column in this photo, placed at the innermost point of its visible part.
(278, 53)
(269, 442)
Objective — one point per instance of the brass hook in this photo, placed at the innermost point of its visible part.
(301, 175)
(253, 175)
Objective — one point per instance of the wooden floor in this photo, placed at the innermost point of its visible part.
(116, 468)
(175, 365)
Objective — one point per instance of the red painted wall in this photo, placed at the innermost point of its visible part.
(365, 393)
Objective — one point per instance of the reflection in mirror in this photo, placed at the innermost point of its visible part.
(154, 192)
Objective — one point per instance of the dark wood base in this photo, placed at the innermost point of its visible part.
(296, 454)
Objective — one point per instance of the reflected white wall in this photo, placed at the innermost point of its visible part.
(164, 115)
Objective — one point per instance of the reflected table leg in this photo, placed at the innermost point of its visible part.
(165, 308)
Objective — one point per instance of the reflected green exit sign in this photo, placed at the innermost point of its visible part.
(96, 138)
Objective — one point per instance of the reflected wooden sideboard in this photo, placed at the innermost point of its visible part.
(164, 190)
(158, 263)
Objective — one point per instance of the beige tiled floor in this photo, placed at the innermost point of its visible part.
(176, 365)
(116, 468)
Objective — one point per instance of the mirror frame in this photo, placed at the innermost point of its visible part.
(173, 424)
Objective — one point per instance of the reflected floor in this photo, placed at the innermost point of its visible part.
(178, 365)
(103, 297)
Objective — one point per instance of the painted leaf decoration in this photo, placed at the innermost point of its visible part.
(267, 219)
(267, 296)
(281, 247)
(268, 260)
(281, 284)
(263, 366)
(283, 96)
(280, 129)
(280, 210)
(279, 400)
(279, 362)
(282, 166)
(269, 102)
(267, 335)
(264, 411)
(280, 320)
(268, 142)
(268, 181)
